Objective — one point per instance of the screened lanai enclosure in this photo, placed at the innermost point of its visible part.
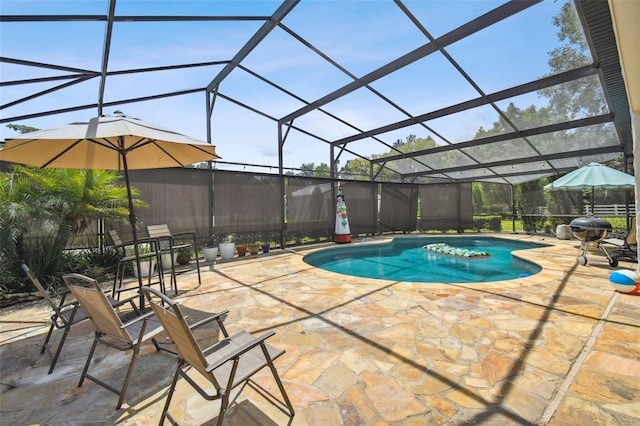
(402, 104)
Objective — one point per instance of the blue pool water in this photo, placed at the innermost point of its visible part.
(404, 259)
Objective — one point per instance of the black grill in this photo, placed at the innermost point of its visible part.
(590, 230)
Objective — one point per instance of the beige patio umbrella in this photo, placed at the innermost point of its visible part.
(111, 142)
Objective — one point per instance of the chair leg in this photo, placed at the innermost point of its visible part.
(198, 267)
(151, 272)
(276, 376)
(174, 280)
(195, 248)
(46, 340)
(160, 272)
(127, 378)
(165, 410)
(117, 280)
(86, 364)
(59, 348)
(223, 407)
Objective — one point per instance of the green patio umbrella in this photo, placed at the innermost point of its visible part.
(591, 177)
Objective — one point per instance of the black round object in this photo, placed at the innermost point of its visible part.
(590, 228)
(590, 222)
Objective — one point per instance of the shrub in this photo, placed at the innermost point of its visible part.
(492, 223)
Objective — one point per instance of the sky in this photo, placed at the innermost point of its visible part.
(359, 35)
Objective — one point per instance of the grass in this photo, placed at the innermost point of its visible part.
(507, 226)
(616, 223)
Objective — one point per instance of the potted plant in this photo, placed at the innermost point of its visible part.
(241, 249)
(165, 258)
(241, 244)
(264, 243)
(210, 250)
(253, 248)
(227, 247)
(184, 255)
(147, 264)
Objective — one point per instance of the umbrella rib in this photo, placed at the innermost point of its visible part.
(60, 154)
(70, 147)
(173, 157)
(167, 153)
(105, 142)
(140, 143)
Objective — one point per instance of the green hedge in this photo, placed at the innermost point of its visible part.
(491, 223)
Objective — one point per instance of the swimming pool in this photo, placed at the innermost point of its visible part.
(404, 259)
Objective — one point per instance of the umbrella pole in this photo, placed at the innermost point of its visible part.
(132, 221)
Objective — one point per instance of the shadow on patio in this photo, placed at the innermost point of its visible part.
(361, 351)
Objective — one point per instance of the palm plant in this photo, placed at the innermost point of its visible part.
(41, 209)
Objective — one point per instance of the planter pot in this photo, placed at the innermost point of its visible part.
(266, 248)
(183, 258)
(210, 254)
(253, 248)
(227, 250)
(242, 250)
(166, 261)
(146, 269)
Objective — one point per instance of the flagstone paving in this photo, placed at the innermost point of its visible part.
(559, 348)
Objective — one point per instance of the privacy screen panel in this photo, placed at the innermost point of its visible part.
(246, 202)
(177, 197)
(446, 206)
(310, 204)
(360, 199)
(398, 207)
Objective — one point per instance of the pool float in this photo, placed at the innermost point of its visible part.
(442, 248)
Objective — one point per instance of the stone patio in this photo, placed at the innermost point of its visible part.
(559, 347)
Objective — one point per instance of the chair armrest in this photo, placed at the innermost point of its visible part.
(67, 306)
(130, 300)
(63, 294)
(63, 297)
(139, 240)
(146, 240)
(191, 233)
(240, 350)
(138, 319)
(207, 319)
(192, 236)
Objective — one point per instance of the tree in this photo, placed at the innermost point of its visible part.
(323, 170)
(530, 196)
(578, 97)
(307, 169)
(311, 170)
(356, 169)
(478, 203)
(21, 128)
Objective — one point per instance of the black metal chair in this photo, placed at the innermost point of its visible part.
(626, 245)
(167, 242)
(123, 249)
